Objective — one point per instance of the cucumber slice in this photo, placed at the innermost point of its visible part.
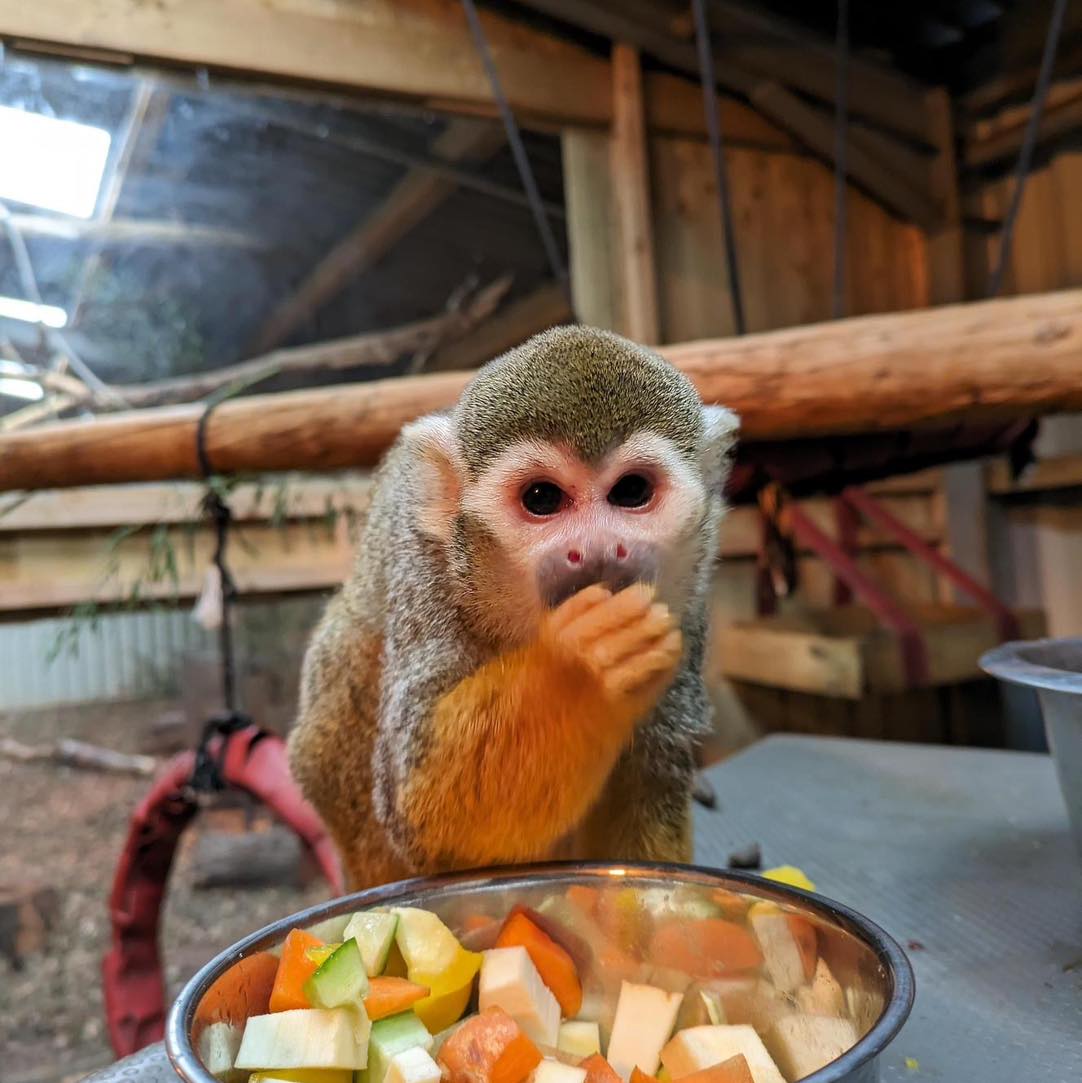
(374, 932)
(391, 1036)
(340, 982)
(427, 945)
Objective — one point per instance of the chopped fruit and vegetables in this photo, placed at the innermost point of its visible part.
(594, 986)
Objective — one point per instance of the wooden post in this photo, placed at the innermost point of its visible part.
(631, 189)
(964, 499)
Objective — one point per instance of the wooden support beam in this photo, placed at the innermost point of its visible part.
(1002, 143)
(546, 307)
(991, 361)
(413, 199)
(143, 231)
(631, 188)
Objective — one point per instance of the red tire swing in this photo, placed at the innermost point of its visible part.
(233, 753)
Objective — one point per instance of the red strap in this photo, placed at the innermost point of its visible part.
(252, 760)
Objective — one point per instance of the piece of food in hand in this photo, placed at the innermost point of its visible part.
(825, 995)
(340, 981)
(302, 1075)
(374, 931)
(553, 963)
(243, 990)
(294, 969)
(392, 1036)
(389, 996)
(787, 943)
(413, 1065)
(305, 1038)
(697, 1048)
(218, 1047)
(488, 1048)
(579, 1037)
(802, 1044)
(552, 1071)
(706, 948)
(644, 1020)
(510, 981)
(598, 1070)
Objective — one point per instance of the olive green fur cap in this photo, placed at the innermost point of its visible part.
(578, 386)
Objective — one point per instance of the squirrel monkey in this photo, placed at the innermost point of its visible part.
(513, 671)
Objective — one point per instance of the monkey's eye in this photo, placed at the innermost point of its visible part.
(631, 491)
(543, 498)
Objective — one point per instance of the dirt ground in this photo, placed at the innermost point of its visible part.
(65, 829)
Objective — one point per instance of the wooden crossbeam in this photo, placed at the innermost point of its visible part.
(989, 361)
(413, 199)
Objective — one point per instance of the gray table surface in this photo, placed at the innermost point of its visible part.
(966, 852)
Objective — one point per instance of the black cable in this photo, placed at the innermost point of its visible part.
(219, 513)
(841, 123)
(518, 148)
(1029, 144)
(717, 150)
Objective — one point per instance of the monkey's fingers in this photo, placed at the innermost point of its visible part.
(634, 638)
(619, 610)
(579, 603)
(639, 671)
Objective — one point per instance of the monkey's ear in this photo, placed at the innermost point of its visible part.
(431, 441)
(721, 427)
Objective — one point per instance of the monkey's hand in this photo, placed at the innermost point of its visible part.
(626, 642)
(516, 753)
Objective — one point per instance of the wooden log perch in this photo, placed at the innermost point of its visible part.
(990, 361)
(68, 752)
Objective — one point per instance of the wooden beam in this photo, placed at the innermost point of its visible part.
(946, 245)
(631, 188)
(991, 361)
(1003, 144)
(411, 201)
(769, 44)
(808, 125)
(546, 307)
(416, 49)
(591, 229)
(133, 231)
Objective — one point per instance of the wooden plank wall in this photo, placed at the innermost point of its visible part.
(1037, 544)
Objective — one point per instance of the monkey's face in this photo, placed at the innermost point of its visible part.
(540, 523)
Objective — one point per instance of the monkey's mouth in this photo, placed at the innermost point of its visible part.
(556, 591)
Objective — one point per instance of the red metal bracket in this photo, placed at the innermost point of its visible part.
(885, 608)
(252, 760)
(871, 509)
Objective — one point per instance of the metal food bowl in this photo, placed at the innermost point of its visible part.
(875, 979)
(1053, 668)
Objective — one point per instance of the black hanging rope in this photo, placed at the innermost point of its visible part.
(717, 150)
(1029, 145)
(841, 123)
(206, 775)
(518, 148)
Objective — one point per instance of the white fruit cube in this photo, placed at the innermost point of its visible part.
(579, 1038)
(802, 1044)
(781, 956)
(824, 996)
(644, 1020)
(553, 1071)
(218, 1046)
(509, 980)
(702, 1047)
(412, 1066)
(305, 1038)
